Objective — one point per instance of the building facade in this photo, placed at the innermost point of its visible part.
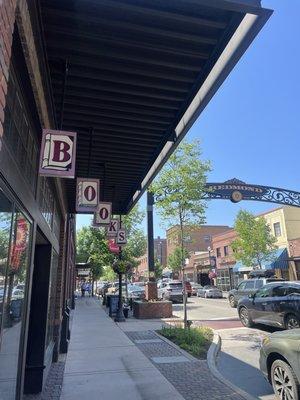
(284, 223)
(196, 238)
(160, 255)
(199, 267)
(37, 234)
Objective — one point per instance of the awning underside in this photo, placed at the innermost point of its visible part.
(133, 68)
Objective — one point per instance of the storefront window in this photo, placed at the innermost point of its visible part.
(15, 235)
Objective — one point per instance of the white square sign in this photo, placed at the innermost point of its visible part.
(121, 237)
(102, 215)
(87, 194)
(113, 227)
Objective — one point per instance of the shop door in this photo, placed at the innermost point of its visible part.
(36, 343)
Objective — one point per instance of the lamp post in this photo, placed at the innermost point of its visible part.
(120, 314)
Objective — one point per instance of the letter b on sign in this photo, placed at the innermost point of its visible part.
(102, 215)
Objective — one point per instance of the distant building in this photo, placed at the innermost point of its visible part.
(160, 254)
(284, 223)
(197, 238)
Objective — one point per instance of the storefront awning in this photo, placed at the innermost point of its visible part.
(280, 261)
(132, 76)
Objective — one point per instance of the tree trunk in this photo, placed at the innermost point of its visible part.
(183, 281)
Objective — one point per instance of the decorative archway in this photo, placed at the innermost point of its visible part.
(236, 190)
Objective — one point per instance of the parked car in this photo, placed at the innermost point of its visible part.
(275, 304)
(136, 292)
(188, 288)
(210, 292)
(172, 291)
(247, 287)
(195, 287)
(102, 288)
(280, 363)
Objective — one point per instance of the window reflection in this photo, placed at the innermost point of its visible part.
(14, 249)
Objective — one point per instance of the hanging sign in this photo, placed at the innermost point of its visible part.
(121, 237)
(102, 214)
(113, 247)
(58, 153)
(113, 227)
(87, 195)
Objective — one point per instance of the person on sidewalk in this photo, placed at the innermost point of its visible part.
(89, 288)
(83, 288)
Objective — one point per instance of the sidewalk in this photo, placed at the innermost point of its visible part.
(103, 363)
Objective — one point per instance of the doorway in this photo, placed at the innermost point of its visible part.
(37, 331)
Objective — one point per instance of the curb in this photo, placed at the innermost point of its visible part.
(212, 354)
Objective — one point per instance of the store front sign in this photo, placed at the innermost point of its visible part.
(83, 271)
(58, 154)
(102, 215)
(113, 227)
(113, 246)
(87, 196)
(121, 237)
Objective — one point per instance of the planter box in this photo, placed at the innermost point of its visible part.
(158, 309)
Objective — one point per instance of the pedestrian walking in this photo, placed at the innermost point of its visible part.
(89, 288)
(83, 288)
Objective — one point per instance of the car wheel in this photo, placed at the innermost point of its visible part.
(292, 322)
(245, 317)
(232, 302)
(284, 381)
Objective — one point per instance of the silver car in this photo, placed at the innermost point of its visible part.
(172, 291)
(210, 292)
(280, 363)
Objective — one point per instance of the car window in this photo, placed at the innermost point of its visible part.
(249, 285)
(242, 286)
(259, 284)
(264, 292)
(279, 291)
(293, 290)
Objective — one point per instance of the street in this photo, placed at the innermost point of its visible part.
(238, 360)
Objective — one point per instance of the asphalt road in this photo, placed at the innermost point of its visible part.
(238, 360)
(206, 309)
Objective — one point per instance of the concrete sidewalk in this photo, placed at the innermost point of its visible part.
(103, 363)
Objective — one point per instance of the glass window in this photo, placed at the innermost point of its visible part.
(19, 133)
(242, 286)
(264, 292)
(226, 251)
(279, 291)
(14, 247)
(259, 284)
(218, 252)
(249, 285)
(294, 290)
(277, 229)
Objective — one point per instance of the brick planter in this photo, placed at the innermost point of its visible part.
(157, 309)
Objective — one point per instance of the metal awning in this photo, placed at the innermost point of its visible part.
(279, 261)
(131, 77)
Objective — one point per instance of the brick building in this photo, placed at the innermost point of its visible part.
(160, 254)
(196, 238)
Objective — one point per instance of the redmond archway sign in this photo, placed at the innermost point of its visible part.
(236, 190)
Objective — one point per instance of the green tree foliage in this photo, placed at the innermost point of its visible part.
(179, 190)
(175, 259)
(255, 243)
(158, 269)
(92, 247)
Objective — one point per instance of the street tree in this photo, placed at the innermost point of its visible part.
(178, 192)
(158, 269)
(255, 243)
(175, 259)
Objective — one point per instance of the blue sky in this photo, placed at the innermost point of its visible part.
(250, 129)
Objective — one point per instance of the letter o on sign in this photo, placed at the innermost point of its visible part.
(90, 193)
(103, 214)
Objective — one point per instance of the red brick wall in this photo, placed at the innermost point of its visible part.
(7, 20)
(220, 241)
